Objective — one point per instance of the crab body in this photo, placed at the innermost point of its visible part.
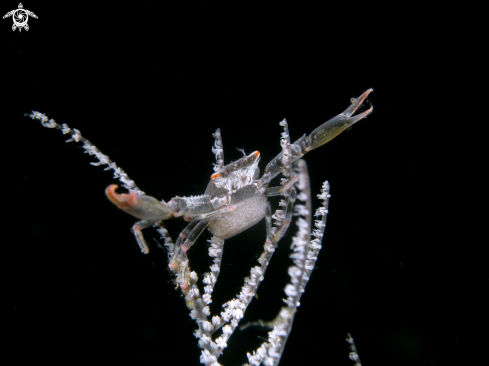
(251, 207)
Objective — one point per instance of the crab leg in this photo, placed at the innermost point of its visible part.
(136, 230)
(211, 215)
(279, 191)
(179, 261)
(287, 216)
(283, 218)
(321, 135)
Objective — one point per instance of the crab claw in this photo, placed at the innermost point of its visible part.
(336, 125)
(139, 205)
(123, 201)
(355, 103)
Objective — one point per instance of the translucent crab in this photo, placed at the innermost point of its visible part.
(235, 199)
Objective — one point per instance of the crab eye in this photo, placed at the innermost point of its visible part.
(215, 175)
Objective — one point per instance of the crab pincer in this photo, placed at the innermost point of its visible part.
(336, 125)
(139, 205)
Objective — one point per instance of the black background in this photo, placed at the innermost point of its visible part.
(402, 267)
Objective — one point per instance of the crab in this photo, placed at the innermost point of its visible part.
(236, 196)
